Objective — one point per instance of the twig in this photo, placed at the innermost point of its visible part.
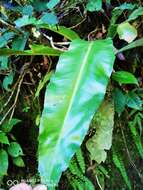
(11, 27)
(12, 108)
(75, 26)
(52, 43)
(6, 103)
(17, 94)
(98, 182)
(62, 43)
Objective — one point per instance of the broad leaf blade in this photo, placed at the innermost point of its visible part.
(35, 50)
(127, 32)
(135, 14)
(102, 140)
(72, 97)
(3, 138)
(132, 45)
(66, 32)
(134, 101)
(93, 5)
(119, 101)
(124, 77)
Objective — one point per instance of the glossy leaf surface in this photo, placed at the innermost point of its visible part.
(124, 77)
(73, 95)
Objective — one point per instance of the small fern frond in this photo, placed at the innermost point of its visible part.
(88, 184)
(80, 160)
(120, 165)
(75, 170)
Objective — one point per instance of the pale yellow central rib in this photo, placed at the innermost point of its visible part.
(85, 58)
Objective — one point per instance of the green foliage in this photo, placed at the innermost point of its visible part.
(124, 77)
(18, 161)
(102, 140)
(3, 62)
(66, 32)
(8, 80)
(137, 118)
(94, 5)
(120, 165)
(35, 50)
(49, 18)
(75, 90)
(132, 45)
(42, 83)
(27, 10)
(76, 174)
(24, 21)
(7, 147)
(116, 13)
(19, 43)
(4, 39)
(119, 100)
(126, 32)
(15, 150)
(134, 101)
(3, 138)
(68, 117)
(135, 14)
(3, 162)
(129, 99)
(52, 3)
(8, 125)
(80, 160)
(136, 138)
(126, 6)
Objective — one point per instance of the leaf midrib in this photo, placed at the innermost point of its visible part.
(85, 58)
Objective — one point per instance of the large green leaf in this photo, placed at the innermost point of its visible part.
(102, 140)
(73, 95)
(62, 30)
(35, 50)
